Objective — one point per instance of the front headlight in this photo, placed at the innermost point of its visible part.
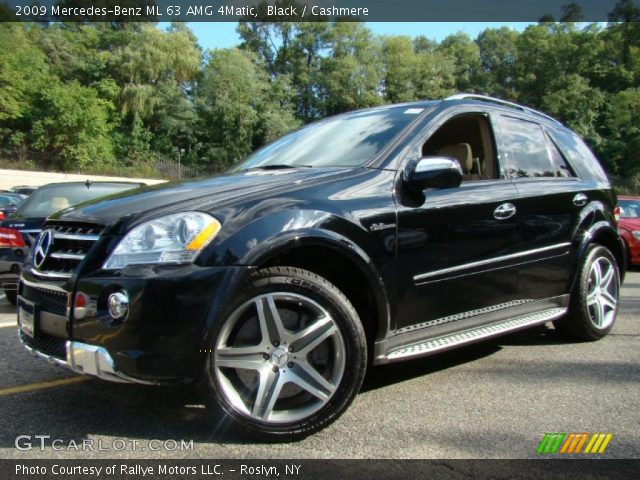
(177, 238)
(636, 234)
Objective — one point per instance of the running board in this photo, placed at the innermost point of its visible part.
(447, 342)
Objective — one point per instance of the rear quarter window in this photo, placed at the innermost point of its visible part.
(582, 160)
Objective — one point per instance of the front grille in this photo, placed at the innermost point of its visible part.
(56, 347)
(71, 243)
(47, 300)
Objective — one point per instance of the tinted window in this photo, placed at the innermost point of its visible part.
(342, 141)
(559, 162)
(629, 208)
(527, 147)
(52, 198)
(584, 163)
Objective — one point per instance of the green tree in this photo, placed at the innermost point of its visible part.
(400, 64)
(351, 74)
(622, 123)
(435, 76)
(73, 124)
(239, 108)
(465, 55)
(22, 72)
(498, 56)
(572, 100)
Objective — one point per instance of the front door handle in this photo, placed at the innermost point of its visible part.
(504, 211)
(580, 200)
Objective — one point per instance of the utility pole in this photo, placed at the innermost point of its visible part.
(180, 152)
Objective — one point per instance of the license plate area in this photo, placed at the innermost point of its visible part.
(27, 317)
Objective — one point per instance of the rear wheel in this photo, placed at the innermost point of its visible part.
(595, 298)
(12, 296)
(288, 358)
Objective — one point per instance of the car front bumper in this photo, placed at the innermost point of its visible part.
(164, 337)
(85, 359)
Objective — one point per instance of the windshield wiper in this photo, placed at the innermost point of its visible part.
(277, 166)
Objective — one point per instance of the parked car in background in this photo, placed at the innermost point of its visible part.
(18, 233)
(24, 189)
(629, 226)
(375, 236)
(9, 203)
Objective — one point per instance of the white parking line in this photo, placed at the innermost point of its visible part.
(8, 324)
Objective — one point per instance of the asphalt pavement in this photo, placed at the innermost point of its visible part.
(491, 400)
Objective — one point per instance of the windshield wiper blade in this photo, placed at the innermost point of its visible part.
(278, 166)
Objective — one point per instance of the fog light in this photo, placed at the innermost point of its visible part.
(118, 305)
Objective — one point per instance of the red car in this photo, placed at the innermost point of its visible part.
(629, 226)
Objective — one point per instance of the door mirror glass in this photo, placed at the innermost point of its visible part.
(435, 172)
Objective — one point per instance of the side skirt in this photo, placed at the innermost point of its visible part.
(394, 349)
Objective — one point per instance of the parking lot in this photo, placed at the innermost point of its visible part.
(492, 400)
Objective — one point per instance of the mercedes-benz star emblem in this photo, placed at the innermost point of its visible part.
(43, 245)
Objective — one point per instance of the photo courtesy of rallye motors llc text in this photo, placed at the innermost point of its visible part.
(151, 471)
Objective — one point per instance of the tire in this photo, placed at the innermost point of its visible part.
(269, 358)
(595, 298)
(12, 296)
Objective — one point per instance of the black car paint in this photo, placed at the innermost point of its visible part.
(365, 216)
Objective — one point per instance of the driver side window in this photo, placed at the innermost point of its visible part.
(468, 139)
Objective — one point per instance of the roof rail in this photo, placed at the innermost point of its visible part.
(473, 96)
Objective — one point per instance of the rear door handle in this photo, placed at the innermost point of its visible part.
(580, 200)
(504, 211)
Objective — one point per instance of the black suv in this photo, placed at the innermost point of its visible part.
(371, 237)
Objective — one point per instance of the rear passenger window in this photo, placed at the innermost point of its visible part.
(559, 162)
(527, 147)
(582, 160)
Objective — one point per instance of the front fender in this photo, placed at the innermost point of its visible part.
(268, 237)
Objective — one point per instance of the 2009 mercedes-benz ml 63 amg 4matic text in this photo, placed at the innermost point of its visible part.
(367, 238)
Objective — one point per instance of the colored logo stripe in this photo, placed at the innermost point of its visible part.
(550, 443)
(573, 443)
(598, 443)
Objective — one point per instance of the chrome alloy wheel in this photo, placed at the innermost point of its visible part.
(279, 357)
(602, 296)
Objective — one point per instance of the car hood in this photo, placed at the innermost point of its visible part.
(629, 223)
(204, 195)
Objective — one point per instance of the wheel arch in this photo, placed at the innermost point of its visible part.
(344, 264)
(602, 233)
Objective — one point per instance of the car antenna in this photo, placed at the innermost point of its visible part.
(88, 183)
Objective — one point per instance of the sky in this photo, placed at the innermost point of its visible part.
(223, 35)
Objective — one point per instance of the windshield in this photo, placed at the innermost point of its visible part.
(629, 208)
(51, 198)
(343, 141)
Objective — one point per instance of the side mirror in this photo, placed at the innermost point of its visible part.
(434, 172)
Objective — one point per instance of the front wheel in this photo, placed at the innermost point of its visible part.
(288, 358)
(595, 298)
